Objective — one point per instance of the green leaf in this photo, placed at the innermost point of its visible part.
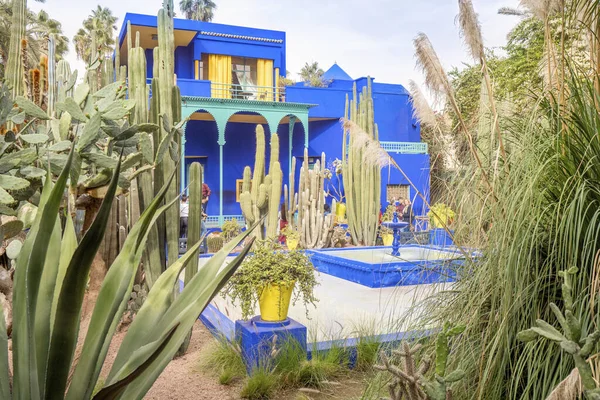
(13, 249)
(26, 214)
(7, 211)
(10, 182)
(12, 228)
(116, 110)
(6, 164)
(30, 108)
(145, 146)
(109, 90)
(185, 310)
(127, 133)
(112, 301)
(569, 346)
(64, 125)
(68, 310)
(100, 160)
(90, 133)
(28, 275)
(548, 331)
(19, 118)
(139, 362)
(34, 138)
(147, 127)
(72, 108)
(42, 327)
(131, 161)
(81, 92)
(150, 312)
(455, 376)
(71, 82)
(67, 249)
(61, 146)
(5, 197)
(441, 353)
(4, 369)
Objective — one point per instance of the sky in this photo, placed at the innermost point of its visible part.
(366, 38)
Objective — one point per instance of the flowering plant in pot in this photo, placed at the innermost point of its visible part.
(386, 234)
(440, 215)
(268, 277)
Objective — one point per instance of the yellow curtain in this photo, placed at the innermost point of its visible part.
(264, 74)
(277, 91)
(219, 73)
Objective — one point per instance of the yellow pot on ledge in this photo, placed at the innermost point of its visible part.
(388, 239)
(340, 211)
(292, 244)
(274, 302)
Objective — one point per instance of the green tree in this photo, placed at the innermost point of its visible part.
(101, 25)
(199, 10)
(312, 75)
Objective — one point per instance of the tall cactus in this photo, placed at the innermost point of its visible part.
(362, 181)
(166, 74)
(15, 68)
(261, 194)
(314, 226)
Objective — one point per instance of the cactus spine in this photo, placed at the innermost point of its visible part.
(362, 181)
(261, 194)
(314, 226)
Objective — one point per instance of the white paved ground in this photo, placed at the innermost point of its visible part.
(346, 309)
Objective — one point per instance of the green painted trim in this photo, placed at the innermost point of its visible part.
(247, 104)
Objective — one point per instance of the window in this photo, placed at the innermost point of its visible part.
(204, 71)
(243, 77)
(398, 192)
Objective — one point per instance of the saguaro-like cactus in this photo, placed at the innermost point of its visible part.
(362, 181)
(261, 194)
(314, 226)
(15, 68)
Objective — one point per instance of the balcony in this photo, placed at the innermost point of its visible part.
(204, 88)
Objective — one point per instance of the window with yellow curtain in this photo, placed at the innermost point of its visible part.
(219, 73)
(264, 73)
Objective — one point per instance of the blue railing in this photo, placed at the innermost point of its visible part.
(215, 221)
(405, 147)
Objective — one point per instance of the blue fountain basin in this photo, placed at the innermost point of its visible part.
(375, 267)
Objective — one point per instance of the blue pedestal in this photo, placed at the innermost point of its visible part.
(258, 339)
(439, 237)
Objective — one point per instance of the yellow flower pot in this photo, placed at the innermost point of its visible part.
(388, 239)
(340, 211)
(274, 302)
(292, 244)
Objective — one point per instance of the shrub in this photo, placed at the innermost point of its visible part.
(224, 359)
(261, 385)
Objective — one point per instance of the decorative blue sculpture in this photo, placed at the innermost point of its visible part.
(395, 226)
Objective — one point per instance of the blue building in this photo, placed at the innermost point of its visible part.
(229, 77)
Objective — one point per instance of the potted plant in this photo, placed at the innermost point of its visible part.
(230, 229)
(268, 277)
(440, 218)
(292, 237)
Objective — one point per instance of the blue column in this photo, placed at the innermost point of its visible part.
(221, 144)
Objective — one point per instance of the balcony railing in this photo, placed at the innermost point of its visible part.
(405, 147)
(243, 92)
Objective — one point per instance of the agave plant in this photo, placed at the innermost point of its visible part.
(48, 296)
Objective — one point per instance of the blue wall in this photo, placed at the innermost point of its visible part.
(240, 147)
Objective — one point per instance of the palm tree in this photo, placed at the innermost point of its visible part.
(199, 10)
(101, 25)
(39, 28)
(312, 75)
